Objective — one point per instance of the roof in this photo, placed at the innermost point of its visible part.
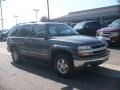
(39, 23)
(91, 13)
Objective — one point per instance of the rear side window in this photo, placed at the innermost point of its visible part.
(14, 31)
(36, 30)
(25, 31)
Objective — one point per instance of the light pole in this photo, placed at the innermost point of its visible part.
(36, 12)
(16, 18)
(1, 13)
(48, 10)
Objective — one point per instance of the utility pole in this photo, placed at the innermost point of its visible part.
(16, 18)
(36, 12)
(1, 14)
(48, 10)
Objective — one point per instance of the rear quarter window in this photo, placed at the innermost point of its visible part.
(25, 31)
(14, 31)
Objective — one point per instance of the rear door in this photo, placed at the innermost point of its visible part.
(12, 39)
(23, 39)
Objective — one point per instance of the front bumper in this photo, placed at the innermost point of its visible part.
(80, 62)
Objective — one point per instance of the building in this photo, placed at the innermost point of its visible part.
(105, 15)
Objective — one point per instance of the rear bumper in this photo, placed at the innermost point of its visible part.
(80, 62)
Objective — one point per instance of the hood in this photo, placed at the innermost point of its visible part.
(109, 29)
(79, 39)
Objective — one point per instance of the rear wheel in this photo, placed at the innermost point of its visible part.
(15, 56)
(63, 65)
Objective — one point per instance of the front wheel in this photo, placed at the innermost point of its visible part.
(63, 65)
(15, 56)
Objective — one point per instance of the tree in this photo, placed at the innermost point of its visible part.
(44, 19)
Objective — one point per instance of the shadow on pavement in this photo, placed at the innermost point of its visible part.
(106, 71)
(85, 80)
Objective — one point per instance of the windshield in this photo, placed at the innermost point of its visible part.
(60, 30)
(79, 25)
(115, 23)
(3, 31)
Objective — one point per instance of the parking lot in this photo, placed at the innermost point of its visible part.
(29, 76)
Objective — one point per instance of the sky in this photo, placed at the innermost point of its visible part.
(24, 9)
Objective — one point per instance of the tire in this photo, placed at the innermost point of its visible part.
(63, 65)
(15, 56)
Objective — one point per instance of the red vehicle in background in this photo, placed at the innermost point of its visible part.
(112, 32)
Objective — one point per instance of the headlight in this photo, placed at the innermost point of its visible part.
(84, 47)
(84, 51)
(99, 33)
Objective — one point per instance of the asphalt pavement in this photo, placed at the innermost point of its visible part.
(33, 76)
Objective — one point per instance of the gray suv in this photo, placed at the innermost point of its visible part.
(56, 44)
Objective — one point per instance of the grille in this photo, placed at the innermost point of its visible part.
(99, 52)
(99, 49)
(98, 46)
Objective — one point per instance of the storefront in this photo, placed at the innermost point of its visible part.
(105, 15)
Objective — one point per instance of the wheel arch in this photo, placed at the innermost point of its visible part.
(56, 52)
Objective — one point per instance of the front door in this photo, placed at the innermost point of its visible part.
(38, 46)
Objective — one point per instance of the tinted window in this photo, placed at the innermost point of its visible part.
(14, 31)
(37, 30)
(93, 25)
(25, 30)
